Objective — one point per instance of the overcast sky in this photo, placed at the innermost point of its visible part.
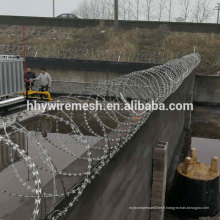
(43, 8)
(39, 8)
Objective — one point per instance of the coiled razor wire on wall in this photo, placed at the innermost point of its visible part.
(98, 135)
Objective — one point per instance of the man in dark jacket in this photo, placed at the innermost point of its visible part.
(28, 78)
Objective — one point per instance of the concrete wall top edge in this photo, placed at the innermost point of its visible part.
(89, 65)
(79, 23)
(110, 21)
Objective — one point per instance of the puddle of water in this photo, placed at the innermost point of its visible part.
(206, 132)
(206, 149)
(206, 122)
(205, 138)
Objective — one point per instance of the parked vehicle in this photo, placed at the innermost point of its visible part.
(67, 16)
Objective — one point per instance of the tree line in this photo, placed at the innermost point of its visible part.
(199, 11)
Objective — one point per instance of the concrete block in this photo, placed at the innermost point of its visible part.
(155, 203)
(159, 186)
(158, 153)
(158, 196)
(158, 175)
(163, 171)
(156, 215)
(159, 164)
(159, 181)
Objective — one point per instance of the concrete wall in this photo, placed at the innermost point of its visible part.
(82, 23)
(69, 75)
(87, 65)
(127, 180)
(207, 90)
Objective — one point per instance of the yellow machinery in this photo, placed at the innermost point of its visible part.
(33, 94)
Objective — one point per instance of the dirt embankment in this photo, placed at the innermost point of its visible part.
(102, 43)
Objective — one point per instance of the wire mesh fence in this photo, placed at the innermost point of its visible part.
(209, 64)
(150, 55)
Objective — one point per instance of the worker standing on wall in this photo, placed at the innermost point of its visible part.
(28, 79)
